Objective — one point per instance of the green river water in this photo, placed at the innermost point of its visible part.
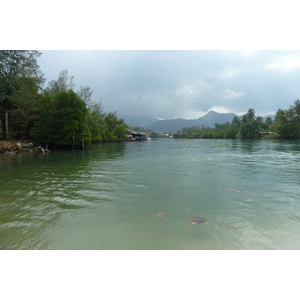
(142, 195)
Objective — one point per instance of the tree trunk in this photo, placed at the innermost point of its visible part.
(6, 126)
(73, 136)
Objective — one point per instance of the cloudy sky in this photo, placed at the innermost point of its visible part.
(182, 84)
(167, 83)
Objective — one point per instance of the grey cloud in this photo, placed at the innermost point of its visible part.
(170, 84)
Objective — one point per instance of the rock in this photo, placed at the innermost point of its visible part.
(18, 146)
(3, 149)
(198, 220)
(159, 215)
(227, 225)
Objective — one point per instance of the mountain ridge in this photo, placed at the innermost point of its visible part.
(208, 120)
(173, 125)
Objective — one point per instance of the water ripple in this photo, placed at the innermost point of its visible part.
(109, 197)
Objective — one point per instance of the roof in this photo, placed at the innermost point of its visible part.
(136, 133)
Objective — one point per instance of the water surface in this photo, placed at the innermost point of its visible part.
(109, 196)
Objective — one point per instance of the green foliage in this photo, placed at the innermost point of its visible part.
(120, 131)
(246, 127)
(67, 118)
(62, 121)
(296, 118)
(287, 122)
(95, 121)
(19, 76)
(269, 121)
(64, 83)
(25, 107)
(283, 123)
(63, 118)
(250, 126)
(85, 93)
(112, 128)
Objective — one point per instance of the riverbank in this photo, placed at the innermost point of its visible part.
(14, 147)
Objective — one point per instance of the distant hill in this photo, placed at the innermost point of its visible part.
(208, 120)
(137, 121)
(272, 117)
(173, 125)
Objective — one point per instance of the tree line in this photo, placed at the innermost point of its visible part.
(56, 115)
(59, 116)
(286, 125)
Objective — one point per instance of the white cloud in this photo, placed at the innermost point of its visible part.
(229, 94)
(228, 73)
(190, 91)
(221, 109)
(287, 63)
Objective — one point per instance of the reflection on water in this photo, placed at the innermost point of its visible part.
(144, 195)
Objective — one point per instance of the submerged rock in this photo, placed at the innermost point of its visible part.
(198, 220)
(237, 191)
(160, 215)
(227, 225)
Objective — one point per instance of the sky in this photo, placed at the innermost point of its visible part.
(181, 83)
(147, 58)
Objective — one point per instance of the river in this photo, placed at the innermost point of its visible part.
(143, 195)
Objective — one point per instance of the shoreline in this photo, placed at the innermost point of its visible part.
(14, 147)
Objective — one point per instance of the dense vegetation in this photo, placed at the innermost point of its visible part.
(55, 115)
(249, 126)
(58, 116)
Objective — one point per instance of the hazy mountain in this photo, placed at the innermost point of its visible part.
(173, 125)
(208, 120)
(137, 121)
(212, 117)
(272, 117)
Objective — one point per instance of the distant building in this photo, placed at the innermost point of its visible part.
(135, 136)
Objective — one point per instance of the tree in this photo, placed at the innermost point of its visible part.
(63, 121)
(296, 118)
(250, 125)
(85, 93)
(25, 100)
(15, 64)
(283, 123)
(45, 128)
(70, 114)
(111, 120)
(95, 120)
(112, 127)
(236, 121)
(120, 131)
(63, 83)
(269, 121)
(249, 116)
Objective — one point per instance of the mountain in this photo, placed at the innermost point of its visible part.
(134, 121)
(212, 117)
(173, 125)
(208, 120)
(271, 116)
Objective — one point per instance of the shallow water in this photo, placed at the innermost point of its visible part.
(109, 196)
